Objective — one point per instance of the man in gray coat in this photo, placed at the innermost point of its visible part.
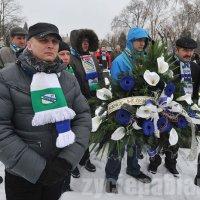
(35, 163)
(17, 44)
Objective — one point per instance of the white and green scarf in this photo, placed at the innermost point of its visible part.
(50, 106)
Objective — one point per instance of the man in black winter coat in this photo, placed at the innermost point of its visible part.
(36, 162)
(187, 72)
(9, 54)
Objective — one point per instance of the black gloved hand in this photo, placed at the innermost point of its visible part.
(55, 171)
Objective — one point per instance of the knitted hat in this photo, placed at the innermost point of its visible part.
(186, 42)
(63, 46)
(42, 29)
(17, 31)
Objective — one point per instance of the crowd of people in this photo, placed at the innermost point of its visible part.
(45, 118)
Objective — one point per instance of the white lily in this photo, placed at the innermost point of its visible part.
(98, 112)
(96, 122)
(157, 134)
(175, 107)
(170, 73)
(104, 114)
(146, 111)
(173, 137)
(143, 112)
(187, 98)
(118, 134)
(135, 126)
(195, 120)
(162, 65)
(104, 94)
(195, 107)
(152, 78)
(106, 80)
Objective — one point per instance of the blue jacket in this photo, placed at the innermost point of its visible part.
(125, 61)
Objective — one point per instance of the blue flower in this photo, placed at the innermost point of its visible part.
(148, 127)
(127, 83)
(182, 122)
(192, 113)
(169, 89)
(123, 117)
(162, 101)
(163, 125)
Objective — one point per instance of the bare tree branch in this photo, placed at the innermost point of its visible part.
(9, 16)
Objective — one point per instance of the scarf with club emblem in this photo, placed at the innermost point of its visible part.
(49, 102)
(50, 106)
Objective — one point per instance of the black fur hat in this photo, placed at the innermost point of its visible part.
(77, 37)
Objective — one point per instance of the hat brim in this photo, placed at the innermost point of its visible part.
(192, 47)
(42, 35)
(19, 34)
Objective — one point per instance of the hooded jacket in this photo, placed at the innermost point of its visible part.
(125, 61)
(76, 38)
(24, 149)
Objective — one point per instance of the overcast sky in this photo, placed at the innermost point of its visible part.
(73, 14)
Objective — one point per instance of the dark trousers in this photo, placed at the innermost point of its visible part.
(85, 157)
(113, 165)
(198, 167)
(171, 154)
(18, 188)
(66, 183)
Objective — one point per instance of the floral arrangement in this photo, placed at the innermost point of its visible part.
(147, 106)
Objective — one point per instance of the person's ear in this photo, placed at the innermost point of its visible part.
(28, 45)
(11, 39)
(176, 50)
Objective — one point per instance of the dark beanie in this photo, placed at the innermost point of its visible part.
(42, 29)
(63, 46)
(186, 42)
(17, 31)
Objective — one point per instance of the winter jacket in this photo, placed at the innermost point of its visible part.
(81, 75)
(24, 149)
(7, 56)
(105, 63)
(125, 61)
(76, 38)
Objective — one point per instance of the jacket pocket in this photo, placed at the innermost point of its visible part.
(32, 142)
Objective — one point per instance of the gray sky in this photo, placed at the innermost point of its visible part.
(73, 14)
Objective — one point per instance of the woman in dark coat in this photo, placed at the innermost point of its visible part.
(88, 74)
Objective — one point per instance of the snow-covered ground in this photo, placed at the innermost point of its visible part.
(163, 186)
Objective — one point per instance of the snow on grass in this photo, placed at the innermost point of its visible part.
(163, 186)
